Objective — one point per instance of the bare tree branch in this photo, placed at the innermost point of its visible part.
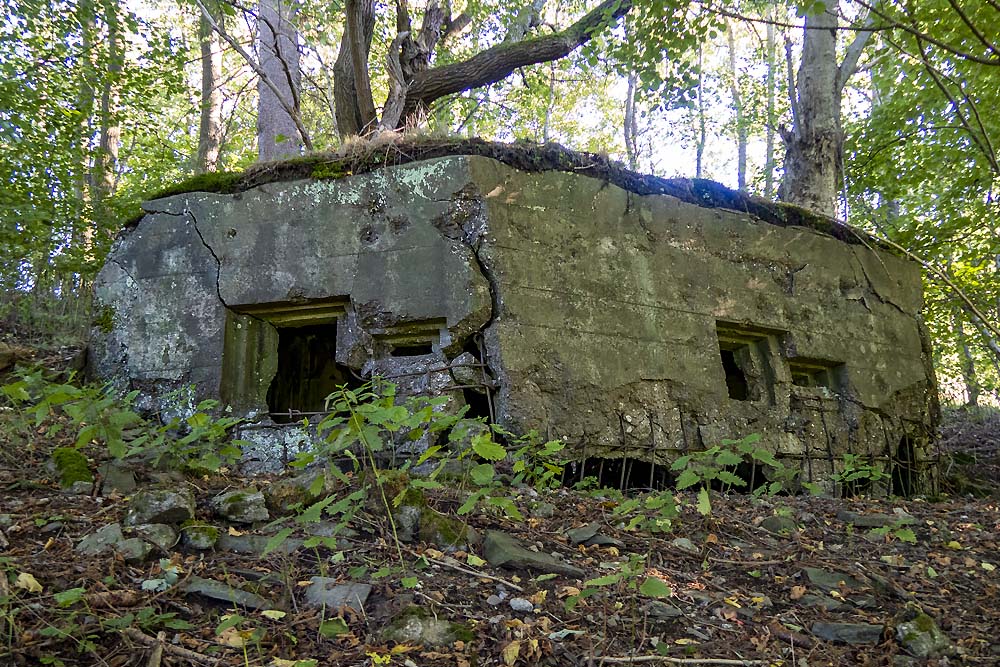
(850, 64)
(500, 61)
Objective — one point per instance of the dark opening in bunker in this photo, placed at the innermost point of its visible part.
(736, 379)
(622, 474)
(307, 372)
(904, 472)
(809, 373)
(747, 356)
(412, 349)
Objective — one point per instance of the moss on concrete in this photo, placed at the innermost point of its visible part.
(363, 157)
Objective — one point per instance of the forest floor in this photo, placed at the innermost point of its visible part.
(782, 580)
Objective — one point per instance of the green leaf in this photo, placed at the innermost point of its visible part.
(655, 588)
(277, 540)
(906, 535)
(68, 597)
(508, 506)
(229, 621)
(606, 580)
(688, 478)
(484, 447)
(409, 582)
(482, 474)
(704, 502)
(334, 627)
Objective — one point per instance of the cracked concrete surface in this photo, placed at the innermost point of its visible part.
(616, 321)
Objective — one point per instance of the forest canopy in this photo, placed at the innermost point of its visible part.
(876, 112)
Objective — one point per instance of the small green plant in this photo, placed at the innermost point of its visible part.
(199, 442)
(715, 467)
(624, 580)
(901, 530)
(651, 512)
(856, 475)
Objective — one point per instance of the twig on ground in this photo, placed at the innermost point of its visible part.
(156, 656)
(176, 651)
(611, 660)
(473, 573)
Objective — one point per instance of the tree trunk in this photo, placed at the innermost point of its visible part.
(631, 133)
(345, 94)
(968, 362)
(814, 147)
(278, 135)
(85, 107)
(814, 144)
(210, 129)
(771, 122)
(106, 163)
(702, 133)
(741, 125)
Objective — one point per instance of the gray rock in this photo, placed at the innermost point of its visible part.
(217, 590)
(503, 550)
(134, 550)
(160, 506)
(543, 510)
(116, 477)
(302, 490)
(418, 626)
(521, 605)
(465, 372)
(79, 488)
(875, 520)
(589, 536)
(824, 602)
(662, 611)
(104, 539)
(407, 518)
(831, 581)
(332, 594)
(780, 525)
(331, 529)
(420, 522)
(684, 544)
(6, 521)
(255, 544)
(200, 536)
(921, 636)
(241, 506)
(849, 633)
(494, 600)
(161, 535)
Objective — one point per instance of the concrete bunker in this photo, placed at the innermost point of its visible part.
(633, 317)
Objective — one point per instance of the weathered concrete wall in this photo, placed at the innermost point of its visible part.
(609, 318)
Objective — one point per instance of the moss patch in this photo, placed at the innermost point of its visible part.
(71, 466)
(105, 319)
(199, 535)
(365, 156)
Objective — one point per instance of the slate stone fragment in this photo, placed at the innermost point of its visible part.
(855, 634)
(334, 594)
(217, 590)
(503, 550)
